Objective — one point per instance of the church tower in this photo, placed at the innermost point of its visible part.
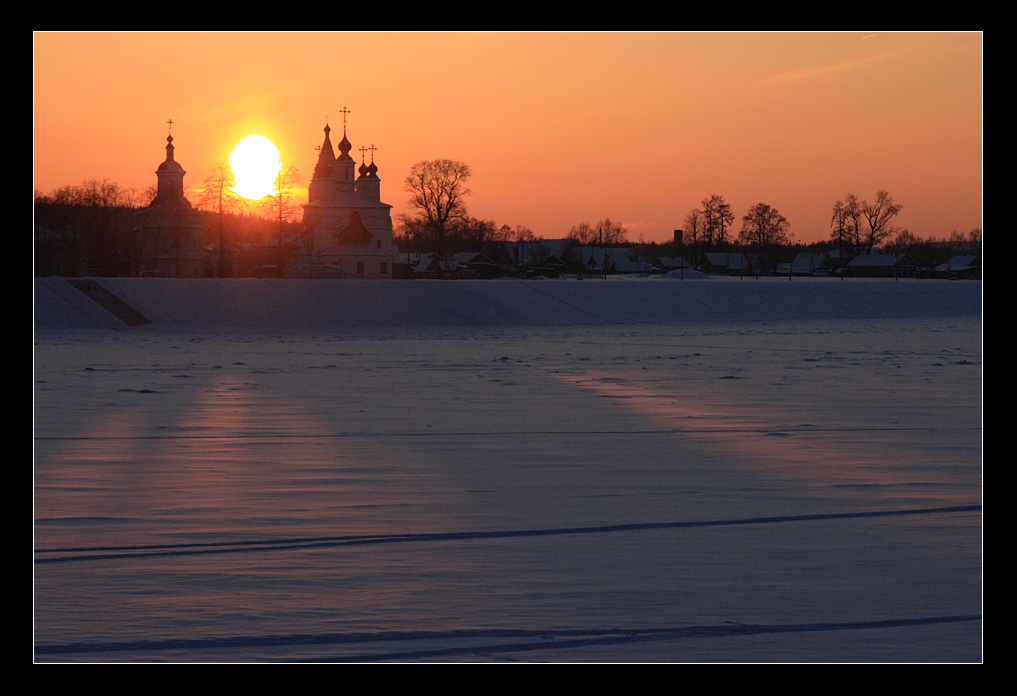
(170, 177)
(350, 228)
(368, 183)
(343, 169)
(170, 229)
(318, 188)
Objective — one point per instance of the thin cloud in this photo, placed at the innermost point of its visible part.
(820, 71)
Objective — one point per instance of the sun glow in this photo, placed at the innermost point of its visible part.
(255, 163)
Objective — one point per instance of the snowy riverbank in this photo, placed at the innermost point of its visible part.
(253, 304)
(651, 470)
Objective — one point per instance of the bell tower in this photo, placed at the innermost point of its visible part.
(170, 175)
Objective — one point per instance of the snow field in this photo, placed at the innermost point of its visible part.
(802, 487)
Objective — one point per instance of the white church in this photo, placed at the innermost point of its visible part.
(349, 228)
(169, 230)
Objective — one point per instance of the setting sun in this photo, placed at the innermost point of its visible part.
(255, 163)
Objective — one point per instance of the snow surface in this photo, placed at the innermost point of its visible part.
(498, 471)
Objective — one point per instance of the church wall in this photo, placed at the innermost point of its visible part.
(349, 265)
(334, 198)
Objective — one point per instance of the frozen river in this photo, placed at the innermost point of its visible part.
(778, 490)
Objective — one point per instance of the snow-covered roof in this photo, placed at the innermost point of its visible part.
(880, 260)
(673, 262)
(807, 262)
(727, 260)
(960, 262)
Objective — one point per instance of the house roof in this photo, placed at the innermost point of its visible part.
(960, 262)
(881, 260)
(811, 262)
(727, 260)
(673, 262)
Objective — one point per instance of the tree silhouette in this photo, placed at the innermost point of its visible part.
(846, 223)
(879, 216)
(717, 217)
(437, 192)
(764, 227)
(279, 202)
(218, 196)
(87, 229)
(839, 225)
(694, 230)
(604, 232)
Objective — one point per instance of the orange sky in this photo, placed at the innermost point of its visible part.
(557, 128)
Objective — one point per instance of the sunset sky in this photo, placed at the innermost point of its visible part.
(558, 128)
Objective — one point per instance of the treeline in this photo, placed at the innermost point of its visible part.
(857, 226)
(464, 233)
(927, 252)
(90, 226)
(468, 234)
(933, 251)
(100, 228)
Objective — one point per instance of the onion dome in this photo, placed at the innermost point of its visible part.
(170, 165)
(344, 148)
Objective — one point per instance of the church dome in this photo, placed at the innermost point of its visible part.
(345, 147)
(170, 165)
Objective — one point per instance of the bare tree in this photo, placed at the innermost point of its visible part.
(846, 223)
(584, 234)
(839, 224)
(853, 215)
(764, 227)
(694, 230)
(879, 216)
(280, 202)
(519, 233)
(612, 232)
(717, 217)
(218, 196)
(902, 241)
(438, 193)
(604, 232)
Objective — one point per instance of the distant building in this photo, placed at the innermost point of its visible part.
(725, 263)
(968, 266)
(595, 259)
(542, 256)
(169, 233)
(807, 264)
(349, 228)
(672, 263)
(876, 264)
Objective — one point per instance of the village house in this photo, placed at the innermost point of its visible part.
(877, 264)
(725, 263)
(806, 264)
(967, 266)
(672, 263)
